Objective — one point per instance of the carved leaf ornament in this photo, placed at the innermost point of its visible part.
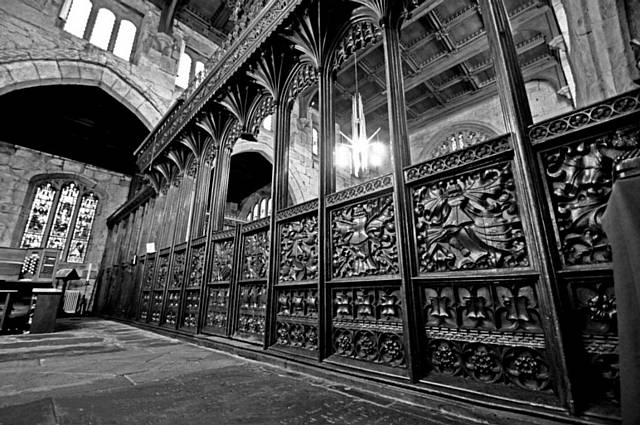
(469, 221)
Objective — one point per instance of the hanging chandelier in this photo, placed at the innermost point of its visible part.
(359, 152)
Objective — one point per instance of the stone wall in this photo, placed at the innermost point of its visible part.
(35, 50)
(18, 165)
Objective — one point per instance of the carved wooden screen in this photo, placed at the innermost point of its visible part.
(251, 289)
(174, 286)
(193, 285)
(219, 281)
(365, 305)
(578, 172)
(296, 291)
(159, 285)
(480, 299)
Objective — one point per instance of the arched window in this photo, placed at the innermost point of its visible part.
(103, 28)
(269, 207)
(76, 20)
(314, 141)
(184, 68)
(124, 40)
(69, 227)
(267, 123)
(256, 211)
(263, 208)
(199, 67)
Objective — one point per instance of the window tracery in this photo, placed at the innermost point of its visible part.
(69, 227)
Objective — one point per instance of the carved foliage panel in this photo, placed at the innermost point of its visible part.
(149, 271)
(217, 308)
(579, 176)
(299, 249)
(363, 239)
(253, 307)
(197, 267)
(178, 268)
(255, 256)
(297, 318)
(222, 260)
(367, 325)
(469, 222)
(163, 271)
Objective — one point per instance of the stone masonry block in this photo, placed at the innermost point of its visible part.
(48, 70)
(69, 70)
(23, 71)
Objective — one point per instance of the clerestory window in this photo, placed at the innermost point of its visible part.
(61, 216)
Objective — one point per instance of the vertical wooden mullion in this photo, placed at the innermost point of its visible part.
(234, 281)
(517, 117)
(207, 187)
(326, 185)
(401, 158)
(279, 196)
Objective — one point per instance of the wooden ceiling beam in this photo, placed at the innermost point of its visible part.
(462, 54)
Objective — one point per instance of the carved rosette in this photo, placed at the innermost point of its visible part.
(469, 222)
(255, 256)
(222, 260)
(297, 318)
(299, 249)
(144, 306)
(173, 303)
(156, 306)
(217, 308)
(367, 325)
(197, 266)
(523, 367)
(364, 239)
(253, 306)
(191, 307)
(580, 176)
(177, 272)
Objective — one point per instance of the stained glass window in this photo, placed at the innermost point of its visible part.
(63, 217)
(82, 230)
(38, 216)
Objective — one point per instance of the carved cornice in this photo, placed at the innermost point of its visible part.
(366, 188)
(256, 225)
(246, 43)
(614, 107)
(457, 159)
(225, 234)
(298, 210)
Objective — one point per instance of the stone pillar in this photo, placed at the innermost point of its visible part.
(600, 57)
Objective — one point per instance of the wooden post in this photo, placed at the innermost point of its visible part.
(517, 117)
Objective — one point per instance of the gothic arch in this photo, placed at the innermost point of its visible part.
(429, 148)
(20, 74)
(242, 146)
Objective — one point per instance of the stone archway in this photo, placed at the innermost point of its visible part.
(19, 74)
(266, 150)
